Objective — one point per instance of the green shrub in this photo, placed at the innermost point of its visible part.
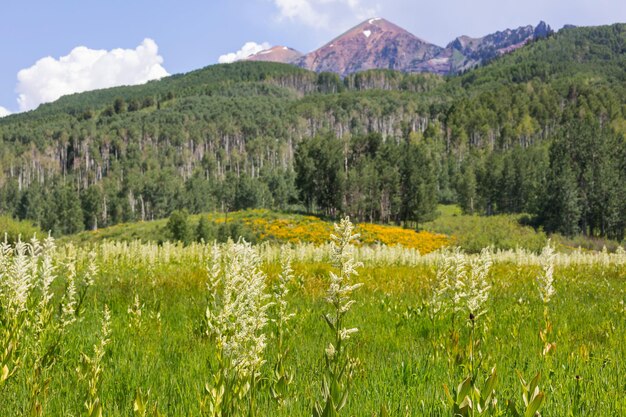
(234, 230)
(12, 229)
(178, 226)
(206, 230)
(473, 232)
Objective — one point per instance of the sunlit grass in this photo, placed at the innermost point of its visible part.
(404, 355)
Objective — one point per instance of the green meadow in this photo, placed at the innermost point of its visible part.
(416, 339)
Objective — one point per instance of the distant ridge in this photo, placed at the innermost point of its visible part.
(380, 44)
(280, 54)
(465, 52)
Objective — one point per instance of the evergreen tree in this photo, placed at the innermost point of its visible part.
(64, 214)
(319, 173)
(467, 189)
(562, 210)
(91, 203)
(205, 231)
(418, 184)
(178, 226)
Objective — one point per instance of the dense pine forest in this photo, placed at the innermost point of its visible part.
(540, 131)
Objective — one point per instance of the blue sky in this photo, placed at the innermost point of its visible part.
(157, 37)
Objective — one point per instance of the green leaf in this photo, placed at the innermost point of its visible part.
(463, 389)
(97, 409)
(329, 410)
(534, 383)
(5, 373)
(491, 382)
(521, 379)
(534, 405)
(317, 410)
(343, 401)
(329, 322)
(512, 408)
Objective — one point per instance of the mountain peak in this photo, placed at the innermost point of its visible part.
(278, 53)
(373, 43)
(377, 24)
(542, 30)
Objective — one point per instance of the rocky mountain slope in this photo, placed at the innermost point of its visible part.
(379, 44)
(465, 52)
(375, 43)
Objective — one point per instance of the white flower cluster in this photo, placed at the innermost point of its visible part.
(23, 268)
(237, 314)
(451, 273)
(281, 290)
(340, 289)
(115, 255)
(69, 304)
(545, 280)
(476, 287)
(461, 283)
(16, 277)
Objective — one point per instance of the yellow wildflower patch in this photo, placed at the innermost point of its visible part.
(423, 241)
(310, 229)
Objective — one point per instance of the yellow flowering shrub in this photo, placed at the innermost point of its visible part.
(310, 229)
(423, 241)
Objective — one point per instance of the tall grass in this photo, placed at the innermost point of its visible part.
(181, 320)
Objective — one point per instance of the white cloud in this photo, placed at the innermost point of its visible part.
(87, 69)
(323, 13)
(4, 112)
(249, 48)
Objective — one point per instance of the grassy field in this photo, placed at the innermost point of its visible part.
(269, 226)
(158, 351)
(451, 227)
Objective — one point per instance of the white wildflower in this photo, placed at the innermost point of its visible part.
(545, 280)
(340, 288)
(344, 334)
(238, 323)
(105, 335)
(92, 269)
(69, 304)
(477, 288)
(17, 279)
(330, 351)
(47, 270)
(279, 295)
(449, 288)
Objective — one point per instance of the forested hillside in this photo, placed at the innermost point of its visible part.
(541, 131)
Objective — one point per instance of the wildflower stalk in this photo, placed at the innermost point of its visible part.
(91, 368)
(89, 277)
(471, 293)
(340, 366)
(545, 284)
(236, 317)
(282, 377)
(143, 407)
(476, 296)
(47, 333)
(31, 332)
(14, 290)
(135, 313)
